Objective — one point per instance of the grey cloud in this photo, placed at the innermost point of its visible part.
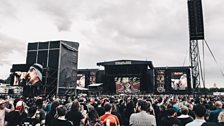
(8, 46)
(7, 9)
(148, 29)
(132, 31)
(63, 25)
(62, 12)
(135, 23)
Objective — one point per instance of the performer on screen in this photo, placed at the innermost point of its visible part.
(32, 80)
(183, 81)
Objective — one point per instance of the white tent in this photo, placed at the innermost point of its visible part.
(95, 85)
(82, 89)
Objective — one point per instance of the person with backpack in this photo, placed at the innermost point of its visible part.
(109, 119)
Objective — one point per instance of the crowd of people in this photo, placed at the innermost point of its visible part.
(107, 110)
(125, 110)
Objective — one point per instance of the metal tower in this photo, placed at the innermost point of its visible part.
(196, 30)
(195, 63)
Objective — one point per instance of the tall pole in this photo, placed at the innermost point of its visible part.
(195, 58)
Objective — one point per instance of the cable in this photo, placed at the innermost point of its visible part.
(214, 58)
(203, 52)
(200, 67)
(185, 57)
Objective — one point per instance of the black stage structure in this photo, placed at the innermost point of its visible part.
(59, 60)
(196, 34)
(173, 80)
(128, 77)
(85, 77)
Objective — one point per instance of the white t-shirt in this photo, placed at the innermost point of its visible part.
(196, 122)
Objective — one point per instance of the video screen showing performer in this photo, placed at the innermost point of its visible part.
(33, 76)
(31, 80)
(81, 80)
(179, 80)
(128, 85)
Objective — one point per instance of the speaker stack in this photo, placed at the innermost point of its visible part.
(59, 60)
(196, 26)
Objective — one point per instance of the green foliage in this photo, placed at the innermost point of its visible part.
(209, 90)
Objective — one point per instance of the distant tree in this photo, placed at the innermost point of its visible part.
(221, 90)
(214, 89)
(8, 80)
(2, 81)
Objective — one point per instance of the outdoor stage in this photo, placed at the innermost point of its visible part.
(131, 77)
(141, 77)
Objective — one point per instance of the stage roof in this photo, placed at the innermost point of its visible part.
(87, 70)
(95, 85)
(175, 67)
(126, 62)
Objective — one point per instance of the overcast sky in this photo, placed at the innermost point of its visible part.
(155, 30)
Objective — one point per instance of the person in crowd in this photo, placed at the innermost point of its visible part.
(99, 107)
(75, 115)
(161, 114)
(15, 117)
(121, 107)
(30, 120)
(219, 123)
(130, 108)
(171, 119)
(190, 110)
(40, 113)
(108, 118)
(184, 117)
(150, 108)
(48, 104)
(200, 111)
(4, 110)
(115, 111)
(60, 119)
(213, 117)
(69, 103)
(92, 117)
(221, 119)
(8, 99)
(142, 118)
(50, 116)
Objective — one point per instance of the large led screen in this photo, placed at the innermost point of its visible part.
(179, 80)
(81, 80)
(128, 85)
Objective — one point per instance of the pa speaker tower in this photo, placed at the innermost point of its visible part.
(59, 59)
(195, 15)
